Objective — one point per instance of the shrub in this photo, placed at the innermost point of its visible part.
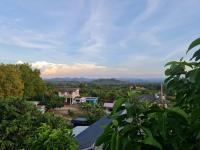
(21, 126)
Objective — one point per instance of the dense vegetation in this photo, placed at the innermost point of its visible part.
(137, 125)
(20, 81)
(106, 89)
(92, 112)
(22, 126)
(24, 82)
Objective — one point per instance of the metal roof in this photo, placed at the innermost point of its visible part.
(87, 138)
(78, 129)
(108, 105)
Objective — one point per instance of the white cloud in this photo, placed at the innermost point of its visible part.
(49, 70)
(19, 62)
(149, 10)
(13, 34)
(93, 33)
(55, 70)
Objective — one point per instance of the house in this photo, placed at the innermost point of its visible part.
(68, 93)
(87, 138)
(78, 129)
(79, 100)
(91, 100)
(108, 107)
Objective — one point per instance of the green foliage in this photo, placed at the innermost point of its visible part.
(53, 101)
(146, 126)
(21, 81)
(51, 98)
(104, 92)
(22, 126)
(107, 90)
(52, 139)
(93, 112)
(10, 81)
(33, 84)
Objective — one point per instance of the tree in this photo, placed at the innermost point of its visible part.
(53, 101)
(50, 139)
(34, 86)
(10, 81)
(22, 126)
(138, 125)
(51, 98)
(93, 112)
(21, 80)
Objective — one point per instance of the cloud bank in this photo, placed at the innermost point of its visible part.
(51, 70)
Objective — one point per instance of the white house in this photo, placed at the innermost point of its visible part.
(68, 93)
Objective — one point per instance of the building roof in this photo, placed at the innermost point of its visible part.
(88, 137)
(65, 89)
(78, 129)
(147, 97)
(91, 98)
(108, 105)
(80, 121)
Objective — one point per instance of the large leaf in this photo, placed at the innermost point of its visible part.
(170, 63)
(180, 112)
(113, 141)
(118, 104)
(193, 44)
(149, 139)
(196, 55)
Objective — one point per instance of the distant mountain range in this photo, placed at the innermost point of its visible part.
(70, 79)
(106, 81)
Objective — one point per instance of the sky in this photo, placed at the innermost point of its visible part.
(97, 38)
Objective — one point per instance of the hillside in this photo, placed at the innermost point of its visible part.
(108, 82)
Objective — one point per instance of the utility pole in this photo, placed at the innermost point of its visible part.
(161, 93)
(162, 99)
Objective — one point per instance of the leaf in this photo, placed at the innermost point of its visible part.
(168, 72)
(170, 63)
(149, 140)
(115, 122)
(102, 139)
(193, 44)
(179, 112)
(196, 55)
(118, 104)
(113, 141)
(192, 75)
(128, 128)
(117, 142)
(198, 136)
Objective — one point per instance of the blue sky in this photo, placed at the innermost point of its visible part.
(97, 38)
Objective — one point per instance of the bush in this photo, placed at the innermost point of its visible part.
(21, 123)
(53, 101)
(93, 112)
